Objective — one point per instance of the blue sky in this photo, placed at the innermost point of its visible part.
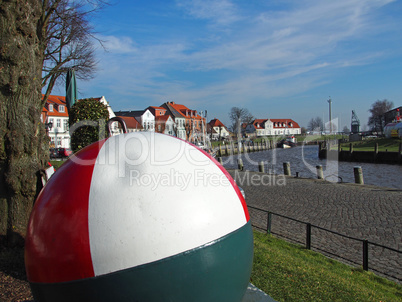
(278, 59)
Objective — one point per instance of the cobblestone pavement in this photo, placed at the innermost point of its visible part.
(363, 212)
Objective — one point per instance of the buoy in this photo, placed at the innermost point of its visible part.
(139, 217)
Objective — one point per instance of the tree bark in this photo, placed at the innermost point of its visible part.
(22, 135)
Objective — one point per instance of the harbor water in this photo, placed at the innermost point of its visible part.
(304, 160)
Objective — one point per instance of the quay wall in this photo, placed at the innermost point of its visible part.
(374, 156)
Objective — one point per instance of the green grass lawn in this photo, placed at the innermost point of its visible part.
(289, 272)
(389, 144)
(57, 163)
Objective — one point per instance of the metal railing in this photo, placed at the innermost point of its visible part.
(331, 243)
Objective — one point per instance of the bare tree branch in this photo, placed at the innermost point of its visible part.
(69, 41)
(377, 119)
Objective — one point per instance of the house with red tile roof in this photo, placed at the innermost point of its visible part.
(157, 111)
(178, 118)
(165, 124)
(190, 125)
(55, 116)
(271, 127)
(132, 124)
(144, 117)
(218, 130)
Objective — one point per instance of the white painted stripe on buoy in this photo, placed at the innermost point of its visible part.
(168, 197)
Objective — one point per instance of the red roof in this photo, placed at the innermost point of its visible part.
(131, 122)
(154, 109)
(259, 123)
(216, 123)
(59, 106)
(284, 123)
(162, 118)
(185, 112)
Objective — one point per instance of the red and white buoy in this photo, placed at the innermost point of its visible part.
(139, 217)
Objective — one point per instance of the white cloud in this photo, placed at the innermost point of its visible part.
(115, 44)
(219, 12)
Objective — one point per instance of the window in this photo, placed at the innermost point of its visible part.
(51, 107)
(58, 123)
(61, 108)
(65, 125)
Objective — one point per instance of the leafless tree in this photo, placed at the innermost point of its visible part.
(69, 42)
(377, 119)
(315, 124)
(238, 116)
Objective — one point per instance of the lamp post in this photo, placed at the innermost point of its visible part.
(48, 127)
(330, 117)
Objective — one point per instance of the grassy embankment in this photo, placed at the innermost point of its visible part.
(57, 163)
(384, 144)
(299, 138)
(289, 272)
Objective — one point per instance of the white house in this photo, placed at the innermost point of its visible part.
(271, 127)
(179, 119)
(55, 117)
(165, 124)
(218, 129)
(144, 117)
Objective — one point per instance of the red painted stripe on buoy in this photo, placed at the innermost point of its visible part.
(60, 252)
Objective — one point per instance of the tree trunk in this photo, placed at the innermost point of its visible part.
(22, 135)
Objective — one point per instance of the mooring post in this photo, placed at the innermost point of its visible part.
(261, 167)
(365, 255)
(308, 236)
(320, 173)
(220, 150)
(220, 160)
(269, 222)
(240, 164)
(358, 175)
(286, 168)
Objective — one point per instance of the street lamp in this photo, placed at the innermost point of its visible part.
(48, 127)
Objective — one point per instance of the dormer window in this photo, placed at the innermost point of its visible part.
(61, 108)
(51, 107)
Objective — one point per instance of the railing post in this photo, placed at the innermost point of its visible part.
(269, 221)
(365, 255)
(308, 236)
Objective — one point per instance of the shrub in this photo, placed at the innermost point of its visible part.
(88, 119)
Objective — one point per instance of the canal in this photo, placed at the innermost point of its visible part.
(304, 160)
